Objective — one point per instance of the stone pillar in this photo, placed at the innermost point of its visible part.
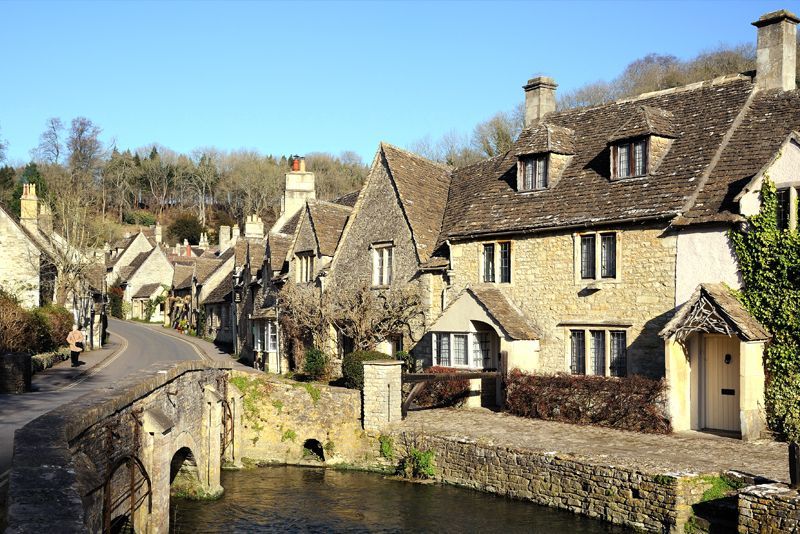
(209, 465)
(382, 395)
(236, 403)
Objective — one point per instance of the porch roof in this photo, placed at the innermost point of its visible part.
(503, 311)
(714, 309)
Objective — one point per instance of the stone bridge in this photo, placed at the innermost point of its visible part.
(109, 460)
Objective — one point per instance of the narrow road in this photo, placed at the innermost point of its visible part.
(137, 346)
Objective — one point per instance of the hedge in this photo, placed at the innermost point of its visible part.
(632, 403)
(32, 331)
(440, 393)
(353, 369)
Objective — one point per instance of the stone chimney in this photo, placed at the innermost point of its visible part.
(187, 247)
(776, 53)
(253, 227)
(45, 218)
(203, 241)
(300, 187)
(234, 234)
(224, 238)
(159, 235)
(540, 98)
(29, 207)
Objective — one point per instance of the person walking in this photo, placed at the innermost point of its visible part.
(75, 340)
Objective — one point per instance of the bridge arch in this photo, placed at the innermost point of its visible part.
(126, 489)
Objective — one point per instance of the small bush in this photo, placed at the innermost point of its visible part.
(315, 364)
(440, 393)
(353, 369)
(115, 296)
(418, 464)
(33, 331)
(409, 361)
(633, 403)
(387, 447)
(140, 217)
(59, 323)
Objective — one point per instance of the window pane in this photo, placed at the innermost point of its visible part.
(460, 349)
(527, 182)
(598, 350)
(640, 158)
(380, 267)
(619, 353)
(783, 208)
(480, 349)
(388, 276)
(587, 257)
(623, 161)
(578, 356)
(488, 263)
(541, 172)
(505, 262)
(608, 255)
(443, 349)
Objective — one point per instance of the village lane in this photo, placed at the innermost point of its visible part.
(132, 347)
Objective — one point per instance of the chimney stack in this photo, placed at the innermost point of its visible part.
(203, 241)
(253, 227)
(234, 234)
(224, 238)
(540, 98)
(29, 207)
(776, 53)
(300, 187)
(159, 234)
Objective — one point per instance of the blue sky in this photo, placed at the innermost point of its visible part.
(321, 76)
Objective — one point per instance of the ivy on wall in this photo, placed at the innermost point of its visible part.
(769, 259)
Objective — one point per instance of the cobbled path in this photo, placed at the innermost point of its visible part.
(685, 452)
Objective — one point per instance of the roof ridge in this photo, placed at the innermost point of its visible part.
(330, 203)
(725, 78)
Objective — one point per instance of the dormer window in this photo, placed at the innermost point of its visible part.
(630, 158)
(534, 169)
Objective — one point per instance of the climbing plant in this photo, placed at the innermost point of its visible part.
(769, 259)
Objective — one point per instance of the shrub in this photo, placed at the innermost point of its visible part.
(315, 364)
(140, 217)
(186, 226)
(633, 403)
(115, 302)
(409, 361)
(39, 330)
(353, 369)
(418, 464)
(59, 323)
(443, 392)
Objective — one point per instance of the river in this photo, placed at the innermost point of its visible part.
(297, 499)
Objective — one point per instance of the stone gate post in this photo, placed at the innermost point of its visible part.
(382, 397)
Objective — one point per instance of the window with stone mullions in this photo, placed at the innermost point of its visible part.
(784, 208)
(382, 265)
(632, 159)
(535, 177)
(598, 350)
(578, 353)
(488, 262)
(608, 255)
(505, 262)
(619, 353)
(588, 257)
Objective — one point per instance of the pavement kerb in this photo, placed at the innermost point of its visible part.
(99, 366)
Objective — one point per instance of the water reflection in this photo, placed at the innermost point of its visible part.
(295, 499)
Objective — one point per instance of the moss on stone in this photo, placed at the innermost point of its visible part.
(313, 392)
(290, 435)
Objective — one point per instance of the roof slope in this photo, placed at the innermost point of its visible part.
(422, 186)
(146, 290)
(278, 249)
(483, 198)
(182, 276)
(508, 316)
(772, 116)
(328, 220)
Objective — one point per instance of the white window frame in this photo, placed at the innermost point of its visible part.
(589, 360)
(271, 333)
(382, 264)
(598, 257)
(792, 206)
(258, 336)
(470, 340)
(305, 267)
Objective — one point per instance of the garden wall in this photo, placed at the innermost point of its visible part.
(769, 508)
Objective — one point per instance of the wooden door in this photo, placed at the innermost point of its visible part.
(722, 383)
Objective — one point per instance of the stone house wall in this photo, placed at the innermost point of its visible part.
(545, 286)
(137, 246)
(19, 263)
(156, 269)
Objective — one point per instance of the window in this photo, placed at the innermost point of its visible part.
(619, 353)
(480, 348)
(784, 208)
(588, 257)
(607, 353)
(272, 336)
(631, 159)
(488, 262)
(534, 173)
(382, 259)
(258, 337)
(305, 266)
(460, 356)
(598, 350)
(443, 349)
(608, 255)
(578, 353)
(505, 262)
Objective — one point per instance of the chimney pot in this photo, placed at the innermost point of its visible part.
(540, 98)
(302, 164)
(776, 54)
(295, 163)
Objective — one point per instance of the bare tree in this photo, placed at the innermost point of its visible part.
(119, 174)
(51, 144)
(3, 148)
(84, 146)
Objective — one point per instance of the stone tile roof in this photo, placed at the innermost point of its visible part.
(502, 310)
(646, 120)
(290, 225)
(483, 200)
(771, 118)
(727, 306)
(278, 245)
(182, 276)
(328, 220)
(146, 291)
(257, 252)
(221, 293)
(204, 267)
(422, 186)
(545, 137)
(138, 261)
(348, 199)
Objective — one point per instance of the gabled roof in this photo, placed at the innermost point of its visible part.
(503, 311)
(348, 199)
(205, 267)
(182, 276)
(545, 137)
(714, 309)
(290, 225)
(146, 291)
(327, 220)
(646, 120)
(221, 293)
(278, 245)
(422, 187)
(483, 199)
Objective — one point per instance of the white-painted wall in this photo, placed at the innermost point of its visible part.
(705, 255)
(783, 171)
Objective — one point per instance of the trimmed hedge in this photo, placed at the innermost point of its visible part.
(632, 403)
(32, 331)
(442, 393)
(353, 370)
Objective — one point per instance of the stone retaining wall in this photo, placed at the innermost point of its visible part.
(652, 503)
(769, 508)
(15, 373)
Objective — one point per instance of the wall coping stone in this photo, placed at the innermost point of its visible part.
(383, 362)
